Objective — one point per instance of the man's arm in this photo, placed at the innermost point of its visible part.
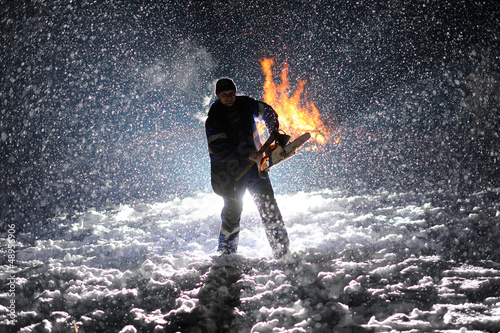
(267, 114)
(270, 117)
(220, 146)
(218, 143)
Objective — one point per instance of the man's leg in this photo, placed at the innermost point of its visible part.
(230, 226)
(263, 196)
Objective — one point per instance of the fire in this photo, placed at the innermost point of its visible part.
(296, 117)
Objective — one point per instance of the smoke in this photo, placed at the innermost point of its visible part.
(192, 67)
(186, 77)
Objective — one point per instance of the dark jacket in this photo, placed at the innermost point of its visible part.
(232, 135)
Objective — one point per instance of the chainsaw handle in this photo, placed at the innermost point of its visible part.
(245, 169)
(261, 151)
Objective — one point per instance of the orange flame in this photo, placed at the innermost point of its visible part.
(295, 116)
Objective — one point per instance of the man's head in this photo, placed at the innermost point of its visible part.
(225, 89)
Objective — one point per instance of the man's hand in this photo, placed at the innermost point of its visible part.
(255, 157)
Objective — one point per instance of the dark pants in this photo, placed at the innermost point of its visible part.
(263, 195)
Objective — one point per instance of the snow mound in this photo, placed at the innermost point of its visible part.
(414, 262)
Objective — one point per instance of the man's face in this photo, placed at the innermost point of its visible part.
(227, 97)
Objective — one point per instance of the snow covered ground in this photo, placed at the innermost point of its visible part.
(383, 261)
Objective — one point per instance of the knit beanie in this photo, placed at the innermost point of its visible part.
(223, 85)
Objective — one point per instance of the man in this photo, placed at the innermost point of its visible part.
(233, 141)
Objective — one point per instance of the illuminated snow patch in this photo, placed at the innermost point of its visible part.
(356, 263)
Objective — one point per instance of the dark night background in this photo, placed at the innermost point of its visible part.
(102, 102)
